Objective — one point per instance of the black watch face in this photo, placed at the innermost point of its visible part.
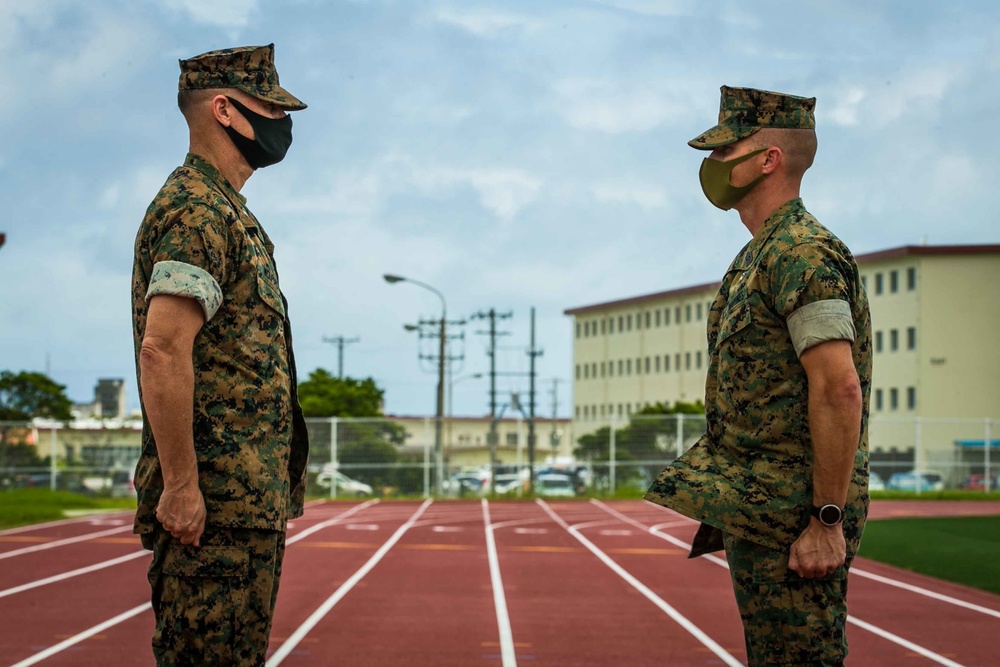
(829, 514)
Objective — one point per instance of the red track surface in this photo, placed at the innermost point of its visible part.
(583, 583)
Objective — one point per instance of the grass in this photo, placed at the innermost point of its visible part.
(25, 506)
(936, 495)
(959, 549)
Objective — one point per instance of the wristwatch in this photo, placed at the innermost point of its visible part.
(829, 515)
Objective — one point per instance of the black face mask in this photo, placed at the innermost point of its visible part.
(272, 137)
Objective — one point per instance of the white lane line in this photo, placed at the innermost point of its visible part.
(896, 639)
(447, 529)
(86, 634)
(679, 618)
(363, 526)
(329, 522)
(531, 531)
(885, 634)
(616, 532)
(507, 655)
(73, 573)
(48, 524)
(924, 591)
(285, 649)
(62, 543)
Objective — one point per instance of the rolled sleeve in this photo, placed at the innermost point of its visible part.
(819, 322)
(181, 279)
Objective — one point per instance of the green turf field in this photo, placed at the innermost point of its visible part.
(24, 506)
(965, 550)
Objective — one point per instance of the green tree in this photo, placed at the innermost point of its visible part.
(324, 395)
(26, 395)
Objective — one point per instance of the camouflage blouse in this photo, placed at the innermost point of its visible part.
(199, 240)
(793, 286)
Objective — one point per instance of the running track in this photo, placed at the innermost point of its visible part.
(472, 583)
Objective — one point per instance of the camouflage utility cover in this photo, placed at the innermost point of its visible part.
(743, 111)
(199, 240)
(247, 68)
(750, 475)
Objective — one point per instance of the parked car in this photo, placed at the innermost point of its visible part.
(345, 485)
(978, 483)
(555, 485)
(467, 483)
(916, 481)
(504, 484)
(875, 482)
(122, 485)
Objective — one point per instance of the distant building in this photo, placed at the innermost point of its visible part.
(935, 317)
(110, 401)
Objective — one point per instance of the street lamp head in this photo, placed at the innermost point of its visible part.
(411, 327)
(389, 278)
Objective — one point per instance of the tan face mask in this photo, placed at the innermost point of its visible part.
(715, 174)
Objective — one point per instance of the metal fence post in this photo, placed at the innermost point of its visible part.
(680, 434)
(611, 457)
(918, 459)
(53, 483)
(334, 468)
(986, 455)
(427, 458)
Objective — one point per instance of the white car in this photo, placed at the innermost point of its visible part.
(345, 484)
(556, 486)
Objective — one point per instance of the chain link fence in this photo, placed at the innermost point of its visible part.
(403, 457)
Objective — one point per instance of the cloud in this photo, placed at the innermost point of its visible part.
(485, 23)
(221, 13)
(645, 196)
(609, 106)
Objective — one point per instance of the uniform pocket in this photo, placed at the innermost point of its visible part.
(735, 319)
(270, 294)
(798, 620)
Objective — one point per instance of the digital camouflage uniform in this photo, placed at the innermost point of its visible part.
(214, 603)
(749, 478)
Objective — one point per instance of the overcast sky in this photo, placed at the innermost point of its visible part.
(511, 154)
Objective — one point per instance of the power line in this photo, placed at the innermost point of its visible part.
(340, 342)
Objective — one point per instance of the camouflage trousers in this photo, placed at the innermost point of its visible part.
(214, 603)
(787, 620)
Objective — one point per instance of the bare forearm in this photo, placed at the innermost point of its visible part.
(167, 381)
(835, 428)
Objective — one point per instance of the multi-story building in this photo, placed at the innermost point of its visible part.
(935, 317)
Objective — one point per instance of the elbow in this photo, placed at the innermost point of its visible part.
(154, 356)
(845, 394)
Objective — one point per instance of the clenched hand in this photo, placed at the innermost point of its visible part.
(818, 552)
(181, 510)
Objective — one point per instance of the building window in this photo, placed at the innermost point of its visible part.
(638, 320)
(657, 318)
(687, 361)
(666, 316)
(893, 340)
(687, 313)
(586, 415)
(611, 369)
(586, 371)
(647, 318)
(578, 371)
(878, 283)
(602, 409)
(611, 325)
(911, 278)
(698, 360)
(638, 366)
(604, 327)
(578, 327)
(602, 369)
(512, 437)
(593, 370)
(620, 410)
(677, 315)
(864, 282)
(878, 400)
(699, 312)
(677, 361)
(647, 366)
(621, 367)
(657, 363)
(621, 323)
(894, 281)
(578, 412)
(911, 398)
(666, 363)
(628, 322)
(878, 341)
(911, 338)
(628, 367)
(893, 399)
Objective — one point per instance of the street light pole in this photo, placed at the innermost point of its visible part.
(439, 418)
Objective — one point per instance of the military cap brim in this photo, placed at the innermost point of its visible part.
(721, 135)
(246, 68)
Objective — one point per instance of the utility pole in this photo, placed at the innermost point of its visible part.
(3, 237)
(492, 439)
(533, 353)
(340, 342)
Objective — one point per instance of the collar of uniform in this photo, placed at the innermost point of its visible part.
(773, 222)
(205, 167)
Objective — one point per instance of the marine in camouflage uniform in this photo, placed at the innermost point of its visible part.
(213, 593)
(750, 478)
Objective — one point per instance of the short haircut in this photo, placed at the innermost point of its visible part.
(188, 99)
(798, 146)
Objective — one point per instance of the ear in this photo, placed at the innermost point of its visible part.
(773, 157)
(222, 110)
